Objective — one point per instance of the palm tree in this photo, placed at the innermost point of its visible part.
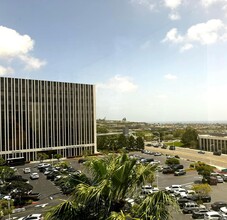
(113, 180)
(157, 206)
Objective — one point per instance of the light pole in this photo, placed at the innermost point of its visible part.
(212, 145)
(157, 177)
(52, 159)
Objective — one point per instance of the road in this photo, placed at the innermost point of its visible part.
(193, 155)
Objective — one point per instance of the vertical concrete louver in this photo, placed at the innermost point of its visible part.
(44, 116)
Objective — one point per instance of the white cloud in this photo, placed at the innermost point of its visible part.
(16, 46)
(170, 77)
(208, 3)
(173, 4)
(174, 16)
(119, 84)
(149, 4)
(186, 47)
(5, 70)
(13, 44)
(173, 36)
(32, 63)
(207, 33)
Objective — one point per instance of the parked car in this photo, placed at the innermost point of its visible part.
(51, 176)
(173, 188)
(220, 179)
(82, 160)
(157, 154)
(189, 207)
(147, 189)
(27, 170)
(177, 166)
(43, 165)
(199, 213)
(172, 147)
(212, 215)
(32, 216)
(167, 170)
(164, 146)
(217, 205)
(203, 198)
(201, 152)
(146, 160)
(179, 172)
(223, 211)
(177, 192)
(183, 201)
(217, 153)
(212, 180)
(26, 196)
(34, 176)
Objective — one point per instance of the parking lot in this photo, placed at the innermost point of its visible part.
(51, 195)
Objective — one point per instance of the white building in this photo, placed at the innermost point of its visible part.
(213, 143)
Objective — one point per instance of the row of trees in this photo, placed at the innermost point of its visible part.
(105, 194)
(43, 156)
(119, 142)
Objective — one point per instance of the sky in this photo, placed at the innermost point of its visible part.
(151, 60)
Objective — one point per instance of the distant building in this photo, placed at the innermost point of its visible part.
(213, 143)
(126, 131)
(44, 116)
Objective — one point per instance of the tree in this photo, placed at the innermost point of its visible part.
(122, 141)
(204, 169)
(155, 206)
(131, 142)
(172, 161)
(139, 143)
(202, 189)
(6, 172)
(42, 156)
(189, 138)
(112, 180)
(4, 207)
(58, 156)
(2, 161)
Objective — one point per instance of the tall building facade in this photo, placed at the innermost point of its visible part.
(45, 116)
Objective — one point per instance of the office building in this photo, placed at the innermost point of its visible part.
(45, 116)
(213, 143)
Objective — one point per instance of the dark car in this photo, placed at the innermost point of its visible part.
(203, 198)
(164, 146)
(217, 153)
(177, 167)
(179, 172)
(199, 213)
(168, 170)
(52, 175)
(172, 147)
(82, 160)
(217, 205)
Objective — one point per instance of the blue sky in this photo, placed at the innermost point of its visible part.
(152, 61)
